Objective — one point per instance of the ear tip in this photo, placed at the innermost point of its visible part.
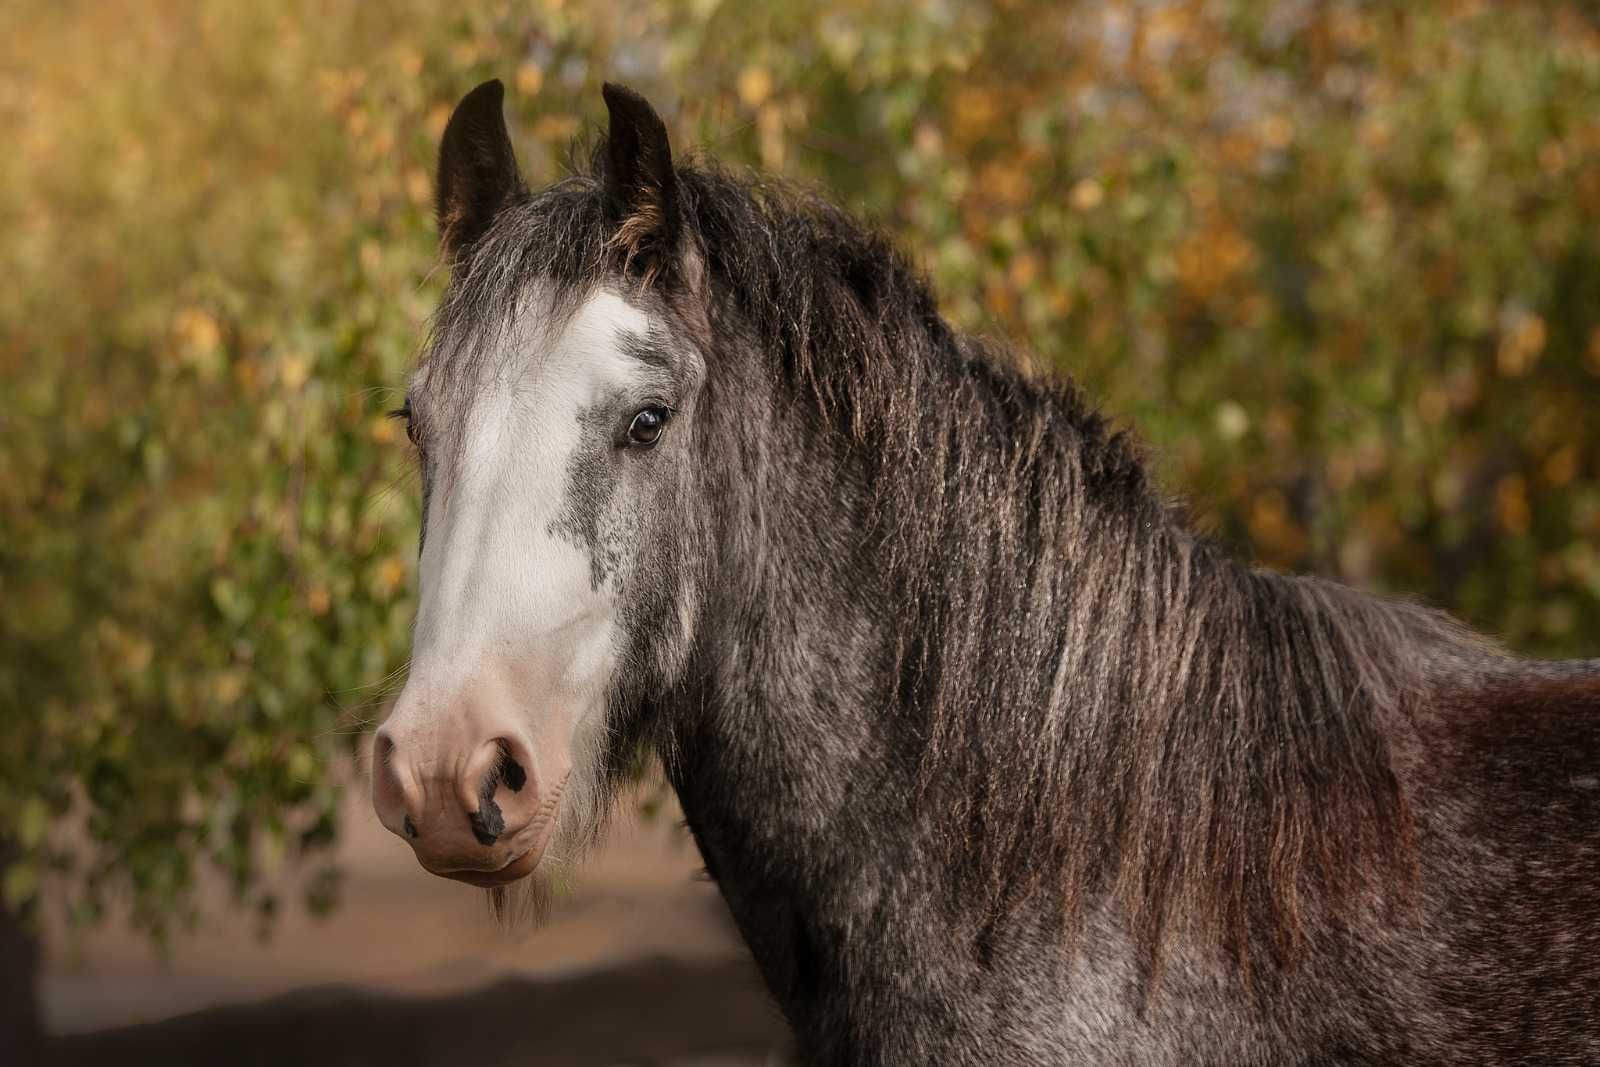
(622, 100)
(493, 90)
(483, 106)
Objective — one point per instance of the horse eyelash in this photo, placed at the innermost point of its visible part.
(404, 413)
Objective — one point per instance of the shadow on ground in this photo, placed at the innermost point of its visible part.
(655, 1012)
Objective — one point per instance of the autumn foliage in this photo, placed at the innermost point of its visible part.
(1339, 263)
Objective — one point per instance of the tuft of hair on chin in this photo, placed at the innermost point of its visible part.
(522, 905)
(588, 800)
(527, 904)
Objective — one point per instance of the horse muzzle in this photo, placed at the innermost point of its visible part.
(474, 812)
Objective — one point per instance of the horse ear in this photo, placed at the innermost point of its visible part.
(641, 187)
(477, 168)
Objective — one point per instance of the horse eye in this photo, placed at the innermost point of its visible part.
(404, 413)
(645, 429)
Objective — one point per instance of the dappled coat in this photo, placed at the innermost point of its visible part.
(994, 760)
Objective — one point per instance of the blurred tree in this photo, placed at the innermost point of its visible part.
(216, 255)
(1338, 260)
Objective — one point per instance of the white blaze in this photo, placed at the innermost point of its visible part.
(508, 614)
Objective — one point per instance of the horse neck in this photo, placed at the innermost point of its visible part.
(803, 718)
(922, 655)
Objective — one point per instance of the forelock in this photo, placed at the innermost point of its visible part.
(542, 258)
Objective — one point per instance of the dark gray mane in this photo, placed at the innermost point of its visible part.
(1106, 703)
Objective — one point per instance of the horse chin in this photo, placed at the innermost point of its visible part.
(523, 858)
(518, 868)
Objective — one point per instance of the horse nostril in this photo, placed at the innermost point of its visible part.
(489, 822)
(511, 772)
(390, 796)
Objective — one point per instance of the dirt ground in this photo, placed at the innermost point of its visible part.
(639, 964)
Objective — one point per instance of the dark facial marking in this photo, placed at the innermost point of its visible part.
(487, 822)
(649, 349)
(591, 482)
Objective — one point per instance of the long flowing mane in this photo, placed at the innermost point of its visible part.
(1106, 702)
(1109, 703)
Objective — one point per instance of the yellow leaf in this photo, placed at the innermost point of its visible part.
(555, 127)
(1520, 345)
(1276, 130)
(302, 764)
(438, 115)
(1511, 504)
(196, 329)
(227, 686)
(391, 573)
(529, 79)
(20, 885)
(293, 370)
(1233, 422)
(1024, 270)
(976, 110)
(1086, 195)
(384, 431)
(409, 61)
(33, 821)
(755, 85)
(1562, 467)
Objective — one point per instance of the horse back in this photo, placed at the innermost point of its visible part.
(1512, 864)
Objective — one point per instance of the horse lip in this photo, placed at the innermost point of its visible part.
(520, 864)
(510, 871)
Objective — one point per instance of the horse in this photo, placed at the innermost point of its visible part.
(993, 758)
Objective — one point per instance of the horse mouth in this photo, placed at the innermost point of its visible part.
(521, 863)
(514, 869)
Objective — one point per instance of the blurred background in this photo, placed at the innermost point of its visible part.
(1338, 261)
